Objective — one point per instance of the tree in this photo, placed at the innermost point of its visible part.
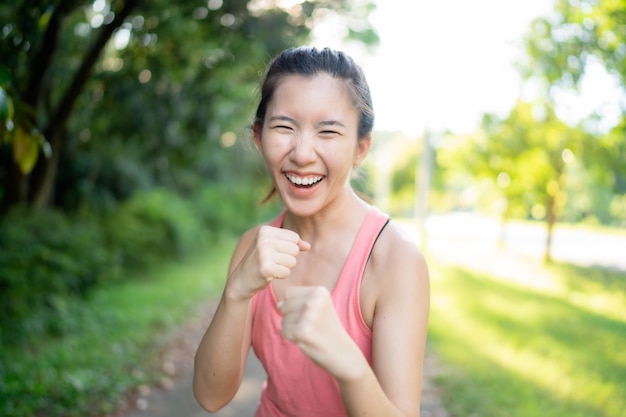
(561, 45)
(559, 49)
(525, 155)
(149, 88)
(35, 94)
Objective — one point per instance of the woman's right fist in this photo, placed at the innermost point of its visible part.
(272, 255)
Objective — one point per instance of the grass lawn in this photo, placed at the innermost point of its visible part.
(516, 351)
(108, 338)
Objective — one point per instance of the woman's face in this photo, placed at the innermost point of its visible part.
(309, 141)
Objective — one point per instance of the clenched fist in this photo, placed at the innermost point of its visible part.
(272, 255)
(311, 322)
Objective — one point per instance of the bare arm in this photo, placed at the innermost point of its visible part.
(221, 356)
(401, 290)
(393, 386)
(263, 254)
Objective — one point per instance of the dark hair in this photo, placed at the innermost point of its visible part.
(309, 61)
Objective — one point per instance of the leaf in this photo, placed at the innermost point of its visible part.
(6, 106)
(5, 77)
(7, 111)
(25, 149)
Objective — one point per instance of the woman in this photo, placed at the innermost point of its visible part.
(331, 295)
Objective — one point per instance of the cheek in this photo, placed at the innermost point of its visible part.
(274, 149)
(337, 155)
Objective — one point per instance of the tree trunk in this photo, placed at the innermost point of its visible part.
(550, 220)
(17, 184)
(44, 183)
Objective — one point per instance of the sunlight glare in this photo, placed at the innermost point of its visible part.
(441, 65)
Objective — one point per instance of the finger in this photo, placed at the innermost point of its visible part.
(286, 247)
(291, 236)
(285, 260)
(303, 245)
(287, 235)
(289, 306)
(279, 272)
(297, 298)
(301, 291)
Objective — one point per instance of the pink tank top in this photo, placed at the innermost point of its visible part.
(296, 386)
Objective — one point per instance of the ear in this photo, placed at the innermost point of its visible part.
(362, 149)
(256, 133)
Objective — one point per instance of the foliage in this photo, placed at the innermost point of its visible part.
(115, 344)
(44, 259)
(530, 160)
(511, 350)
(562, 44)
(526, 155)
(163, 82)
(48, 258)
(151, 226)
(560, 47)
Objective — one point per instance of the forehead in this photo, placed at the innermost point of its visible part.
(316, 93)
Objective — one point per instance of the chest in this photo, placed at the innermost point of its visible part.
(324, 268)
(316, 267)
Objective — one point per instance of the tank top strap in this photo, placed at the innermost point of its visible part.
(278, 221)
(365, 240)
(352, 273)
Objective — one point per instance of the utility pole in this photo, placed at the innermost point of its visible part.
(423, 173)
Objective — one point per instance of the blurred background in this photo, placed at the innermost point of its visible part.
(127, 171)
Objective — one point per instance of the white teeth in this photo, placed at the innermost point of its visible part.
(304, 181)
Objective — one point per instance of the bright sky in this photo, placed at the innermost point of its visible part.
(443, 63)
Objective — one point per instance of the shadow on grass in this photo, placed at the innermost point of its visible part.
(516, 351)
(593, 278)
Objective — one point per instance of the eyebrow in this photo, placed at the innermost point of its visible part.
(283, 118)
(331, 123)
(320, 124)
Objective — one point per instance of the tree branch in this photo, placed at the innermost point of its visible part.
(58, 123)
(72, 93)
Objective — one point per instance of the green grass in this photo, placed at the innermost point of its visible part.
(516, 351)
(110, 343)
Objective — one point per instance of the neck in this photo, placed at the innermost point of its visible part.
(347, 214)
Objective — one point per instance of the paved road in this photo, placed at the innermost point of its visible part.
(472, 232)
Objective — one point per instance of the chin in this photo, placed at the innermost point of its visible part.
(303, 208)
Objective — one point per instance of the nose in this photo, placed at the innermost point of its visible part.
(303, 151)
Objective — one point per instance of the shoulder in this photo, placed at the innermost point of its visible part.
(396, 248)
(397, 266)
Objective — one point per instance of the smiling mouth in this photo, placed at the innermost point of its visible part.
(304, 182)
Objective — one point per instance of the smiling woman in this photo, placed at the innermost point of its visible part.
(331, 295)
(309, 137)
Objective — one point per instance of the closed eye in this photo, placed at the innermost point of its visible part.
(329, 133)
(282, 127)
(330, 128)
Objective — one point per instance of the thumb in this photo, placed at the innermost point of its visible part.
(304, 245)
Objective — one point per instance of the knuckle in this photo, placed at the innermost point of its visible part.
(304, 333)
(265, 268)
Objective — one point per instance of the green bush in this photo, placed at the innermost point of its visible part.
(227, 207)
(48, 258)
(150, 226)
(44, 257)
